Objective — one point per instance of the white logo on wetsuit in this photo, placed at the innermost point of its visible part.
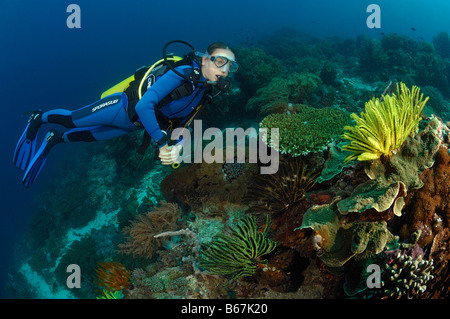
(98, 107)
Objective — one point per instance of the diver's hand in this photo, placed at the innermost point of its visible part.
(169, 154)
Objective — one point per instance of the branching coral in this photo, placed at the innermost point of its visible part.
(112, 276)
(140, 240)
(385, 124)
(303, 133)
(239, 253)
(405, 274)
(273, 193)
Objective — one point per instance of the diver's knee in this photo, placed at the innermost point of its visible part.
(79, 136)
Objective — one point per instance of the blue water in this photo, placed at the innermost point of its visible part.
(44, 64)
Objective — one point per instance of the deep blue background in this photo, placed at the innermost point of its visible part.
(44, 64)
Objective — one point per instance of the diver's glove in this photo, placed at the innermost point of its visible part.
(169, 154)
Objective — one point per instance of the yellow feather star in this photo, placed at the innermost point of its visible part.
(385, 124)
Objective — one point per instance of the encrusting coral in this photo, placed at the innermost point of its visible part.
(385, 124)
(338, 240)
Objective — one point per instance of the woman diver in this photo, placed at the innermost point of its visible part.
(152, 101)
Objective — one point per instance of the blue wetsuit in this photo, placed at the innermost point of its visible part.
(108, 117)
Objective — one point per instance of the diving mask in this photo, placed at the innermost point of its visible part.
(223, 62)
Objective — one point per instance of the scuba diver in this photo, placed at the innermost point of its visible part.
(167, 95)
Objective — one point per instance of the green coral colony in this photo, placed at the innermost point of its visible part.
(308, 131)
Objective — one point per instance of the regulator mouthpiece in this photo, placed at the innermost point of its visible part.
(222, 84)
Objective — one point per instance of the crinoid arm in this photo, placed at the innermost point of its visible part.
(382, 128)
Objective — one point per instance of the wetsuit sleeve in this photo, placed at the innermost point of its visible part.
(145, 108)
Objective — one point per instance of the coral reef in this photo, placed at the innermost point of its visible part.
(387, 189)
(372, 57)
(441, 42)
(328, 74)
(417, 154)
(83, 253)
(311, 230)
(170, 283)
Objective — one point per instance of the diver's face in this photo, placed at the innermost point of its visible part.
(210, 69)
